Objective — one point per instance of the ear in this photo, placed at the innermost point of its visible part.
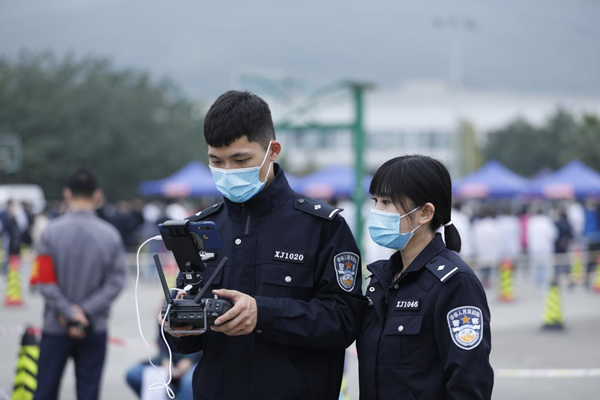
(98, 198)
(67, 194)
(427, 213)
(275, 150)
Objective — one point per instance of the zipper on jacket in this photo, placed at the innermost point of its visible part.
(245, 211)
(247, 230)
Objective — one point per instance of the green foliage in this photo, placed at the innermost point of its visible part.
(72, 112)
(470, 153)
(526, 149)
(584, 142)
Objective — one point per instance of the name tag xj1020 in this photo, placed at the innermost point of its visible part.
(289, 256)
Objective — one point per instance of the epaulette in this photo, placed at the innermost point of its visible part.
(317, 208)
(442, 268)
(205, 213)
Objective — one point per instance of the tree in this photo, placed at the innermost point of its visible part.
(584, 142)
(71, 112)
(527, 149)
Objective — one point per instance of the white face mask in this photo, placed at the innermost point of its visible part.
(241, 184)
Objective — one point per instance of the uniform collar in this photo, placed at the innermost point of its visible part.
(385, 270)
(271, 198)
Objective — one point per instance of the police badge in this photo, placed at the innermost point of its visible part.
(466, 326)
(346, 267)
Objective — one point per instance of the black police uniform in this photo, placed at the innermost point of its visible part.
(297, 257)
(425, 335)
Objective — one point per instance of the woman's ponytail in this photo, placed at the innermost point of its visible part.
(452, 237)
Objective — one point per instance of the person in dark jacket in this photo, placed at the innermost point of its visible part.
(562, 244)
(426, 333)
(294, 272)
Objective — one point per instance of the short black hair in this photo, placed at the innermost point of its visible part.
(83, 182)
(237, 114)
(413, 180)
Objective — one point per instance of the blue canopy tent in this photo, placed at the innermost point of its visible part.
(193, 180)
(493, 180)
(574, 180)
(331, 182)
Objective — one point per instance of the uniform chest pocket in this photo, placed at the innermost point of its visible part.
(404, 342)
(286, 281)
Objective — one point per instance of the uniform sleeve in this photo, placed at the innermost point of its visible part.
(54, 297)
(102, 297)
(466, 361)
(331, 320)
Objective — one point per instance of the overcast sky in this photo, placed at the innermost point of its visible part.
(516, 46)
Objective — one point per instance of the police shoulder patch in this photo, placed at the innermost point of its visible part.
(442, 268)
(466, 326)
(317, 208)
(346, 268)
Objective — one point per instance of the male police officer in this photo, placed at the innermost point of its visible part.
(293, 272)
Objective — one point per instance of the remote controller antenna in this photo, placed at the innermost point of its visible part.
(210, 281)
(163, 281)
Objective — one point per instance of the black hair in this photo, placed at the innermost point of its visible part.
(237, 114)
(82, 182)
(410, 182)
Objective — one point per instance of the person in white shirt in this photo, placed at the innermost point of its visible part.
(487, 238)
(576, 217)
(464, 227)
(510, 231)
(541, 236)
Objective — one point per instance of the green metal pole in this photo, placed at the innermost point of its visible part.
(358, 134)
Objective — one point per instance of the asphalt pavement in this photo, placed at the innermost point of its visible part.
(529, 363)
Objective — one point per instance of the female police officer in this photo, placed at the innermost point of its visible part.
(426, 332)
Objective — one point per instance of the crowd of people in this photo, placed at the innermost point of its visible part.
(21, 226)
(541, 236)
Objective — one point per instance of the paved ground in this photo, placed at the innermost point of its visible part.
(518, 343)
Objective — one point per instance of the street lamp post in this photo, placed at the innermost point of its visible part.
(358, 143)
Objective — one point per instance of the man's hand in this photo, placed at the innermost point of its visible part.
(192, 330)
(241, 319)
(78, 316)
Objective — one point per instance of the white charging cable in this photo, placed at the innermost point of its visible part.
(156, 385)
